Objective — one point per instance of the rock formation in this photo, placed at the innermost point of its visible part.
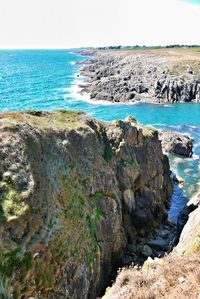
(190, 236)
(174, 276)
(146, 77)
(73, 193)
(177, 143)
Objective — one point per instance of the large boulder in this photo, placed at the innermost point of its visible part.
(177, 143)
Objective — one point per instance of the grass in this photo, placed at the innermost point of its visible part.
(81, 218)
(181, 69)
(57, 119)
(148, 131)
(12, 262)
(171, 277)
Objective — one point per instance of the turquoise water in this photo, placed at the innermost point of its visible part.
(31, 79)
(45, 79)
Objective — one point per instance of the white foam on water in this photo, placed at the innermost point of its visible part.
(75, 92)
(167, 106)
(195, 157)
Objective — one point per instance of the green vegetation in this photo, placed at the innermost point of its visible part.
(12, 262)
(57, 119)
(137, 47)
(131, 119)
(133, 162)
(148, 131)
(81, 217)
(102, 194)
(44, 274)
(108, 152)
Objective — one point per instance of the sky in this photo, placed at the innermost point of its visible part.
(80, 23)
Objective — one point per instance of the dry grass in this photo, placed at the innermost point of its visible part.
(171, 55)
(171, 277)
(173, 52)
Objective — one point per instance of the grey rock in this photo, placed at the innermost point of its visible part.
(159, 244)
(146, 77)
(177, 143)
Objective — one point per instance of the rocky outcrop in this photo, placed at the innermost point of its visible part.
(177, 143)
(73, 193)
(146, 77)
(189, 223)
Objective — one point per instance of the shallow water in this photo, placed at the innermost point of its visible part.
(45, 79)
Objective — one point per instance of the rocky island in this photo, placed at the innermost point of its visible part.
(157, 76)
(74, 194)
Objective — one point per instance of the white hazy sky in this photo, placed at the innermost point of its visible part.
(76, 23)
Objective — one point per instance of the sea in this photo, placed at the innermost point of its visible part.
(48, 80)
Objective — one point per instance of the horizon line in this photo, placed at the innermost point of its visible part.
(103, 46)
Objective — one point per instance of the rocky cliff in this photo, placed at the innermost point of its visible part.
(151, 77)
(190, 236)
(174, 276)
(73, 193)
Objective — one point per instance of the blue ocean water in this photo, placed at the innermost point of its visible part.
(45, 79)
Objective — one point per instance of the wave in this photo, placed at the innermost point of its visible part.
(75, 92)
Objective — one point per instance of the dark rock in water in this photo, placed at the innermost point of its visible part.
(177, 143)
(74, 192)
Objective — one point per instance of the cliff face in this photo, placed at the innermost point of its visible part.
(173, 276)
(73, 192)
(189, 241)
(134, 77)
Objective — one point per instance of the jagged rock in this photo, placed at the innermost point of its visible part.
(64, 220)
(177, 143)
(131, 78)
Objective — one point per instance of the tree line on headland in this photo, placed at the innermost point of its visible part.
(146, 47)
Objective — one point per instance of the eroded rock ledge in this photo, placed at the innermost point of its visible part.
(146, 77)
(73, 193)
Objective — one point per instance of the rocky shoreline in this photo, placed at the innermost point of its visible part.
(140, 77)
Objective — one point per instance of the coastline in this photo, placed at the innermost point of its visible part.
(140, 77)
(80, 92)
